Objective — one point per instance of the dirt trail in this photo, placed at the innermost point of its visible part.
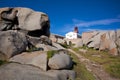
(96, 69)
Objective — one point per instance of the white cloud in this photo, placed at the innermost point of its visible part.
(97, 22)
(88, 29)
(77, 21)
(86, 25)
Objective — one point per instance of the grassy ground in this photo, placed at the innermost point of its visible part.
(110, 63)
(81, 71)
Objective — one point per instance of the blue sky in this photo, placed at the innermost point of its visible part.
(64, 15)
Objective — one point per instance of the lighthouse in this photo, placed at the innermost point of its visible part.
(73, 34)
(76, 30)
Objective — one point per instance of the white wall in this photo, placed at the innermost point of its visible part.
(71, 35)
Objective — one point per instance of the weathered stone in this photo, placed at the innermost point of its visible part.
(112, 35)
(71, 74)
(86, 36)
(45, 40)
(113, 51)
(57, 38)
(53, 38)
(104, 43)
(46, 47)
(40, 42)
(22, 28)
(118, 40)
(3, 56)
(107, 42)
(56, 45)
(37, 58)
(15, 71)
(26, 20)
(36, 22)
(74, 42)
(8, 18)
(12, 43)
(60, 61)
(78, 43)
(95, 40)
(65, 74)
(101, 40)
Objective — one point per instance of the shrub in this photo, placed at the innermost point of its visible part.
(51, 53)
(64, 45)
(2, 62)
(76, 49)
(34, 49)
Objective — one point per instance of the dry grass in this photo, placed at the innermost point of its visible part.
(81, 71)
(110, 63)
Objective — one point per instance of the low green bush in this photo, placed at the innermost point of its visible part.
(34, 49)
(64, 45)
(75, 49)
(2, 62)
(51, 53)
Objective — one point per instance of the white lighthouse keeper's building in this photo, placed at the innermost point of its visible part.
(71, 35)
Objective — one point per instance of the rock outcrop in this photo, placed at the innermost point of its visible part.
(74, 42)
(17, 26)
(37, 58)
(29, 21)
(16, 71)
(117, 41)
(86, 36)
(60, 61)
(103, 40)
(12, 43)
(25, 43)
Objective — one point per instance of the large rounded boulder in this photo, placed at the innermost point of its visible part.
(27, 20)
(12, 43)
(60, 60)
